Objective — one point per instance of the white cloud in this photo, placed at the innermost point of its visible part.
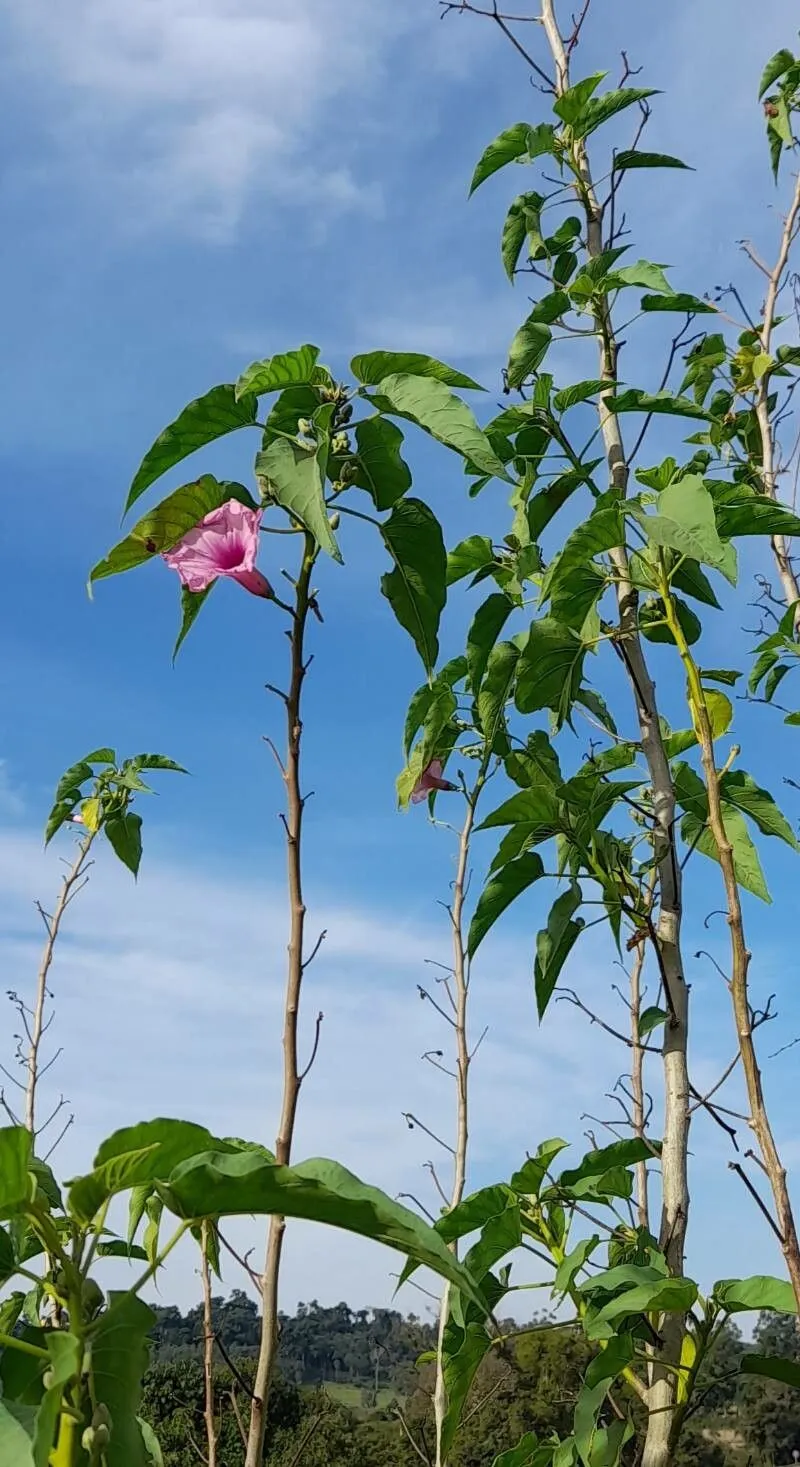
(169, 1002)
(189, 105)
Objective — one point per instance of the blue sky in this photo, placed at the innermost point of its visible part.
(195, 183)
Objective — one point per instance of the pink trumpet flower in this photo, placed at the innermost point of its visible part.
(225, 543)
(430, 779)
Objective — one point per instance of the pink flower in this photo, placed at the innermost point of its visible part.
(225, 543)
(430, 779)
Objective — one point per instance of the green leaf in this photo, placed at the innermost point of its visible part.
(720, 675)
(759, 1292)
(740, 789)
(521, 220)
(685, 522)
(634, 400)
(573, 100)
(430, 404)
(544, 505)
(191, 605)
(125, 837)
(226, 1185)
(119, 1361)
(606, 1158)
(10, 1311)
(161, 528)
(747, 866)
(650, 1019)
(600, 109)
(781, 62)
(487, 624)
(470, 555)
(602, 531)
(500, 891)
(207, 418)
(287, 369)
(15, 1159)
(668, 1295)
(600, 1375)
(528, 350)
(295, 480)
(645, 274)
(632, 158)
(135, 1157)
(555, 942)
(743, 513)
(416, 588)
(496, 688)
(550, 668)
(16, 1447)
(579, 392)
(773, 1367)
(381, 469)
(693, 581)
(677, 301)
(101, 756)
(573, 1262)
(518, 141)
(374, 366)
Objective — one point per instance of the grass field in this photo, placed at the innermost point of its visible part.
(351, 1396)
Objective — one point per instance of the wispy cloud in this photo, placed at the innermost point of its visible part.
(187, 107)
(169, 1001)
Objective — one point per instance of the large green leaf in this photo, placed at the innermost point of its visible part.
(521, 220)
(372, 367)
(773, 1368)
(527, 1453)
(775, 68)
(161, 528)
(294, 479)
(741, 790)
(550, 668)
(286, 369)
(209, 417)
(499, 892)
(16, 1446)
(600, 1375)
(432, 406)
(224, 1185)
(496, 689)
(598, 110)
(416, 588)
(119, 1361)
(555, 942)
(602, 531)
(528, 350)
(487, 624)
(632, 158)
(645, 274)
(135, 1156)
(519, 141)
(15, 1158)
(124, 834)
(152, 1448)
(634, 400)
(759, 1292)
(604, 1158)
(381, 470)
(469, 556)
(685, 522)
(746, 864)
(671, 1295)
(679, 302)
(743, 512)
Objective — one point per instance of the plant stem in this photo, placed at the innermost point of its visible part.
(674, 1169)
(10, 1342)
(791, 228)
(463, 1060)
(292, 1078)
(637, 1085)
(52, 925)
(740, 956)
(208, 1350)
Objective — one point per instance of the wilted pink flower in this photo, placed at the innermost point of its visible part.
(225, 543)
(77, 819)
(430, 779)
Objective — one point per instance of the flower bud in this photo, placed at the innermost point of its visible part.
(335, 520)
(305, 427)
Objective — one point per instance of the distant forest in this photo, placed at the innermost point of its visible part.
(355, 1388)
